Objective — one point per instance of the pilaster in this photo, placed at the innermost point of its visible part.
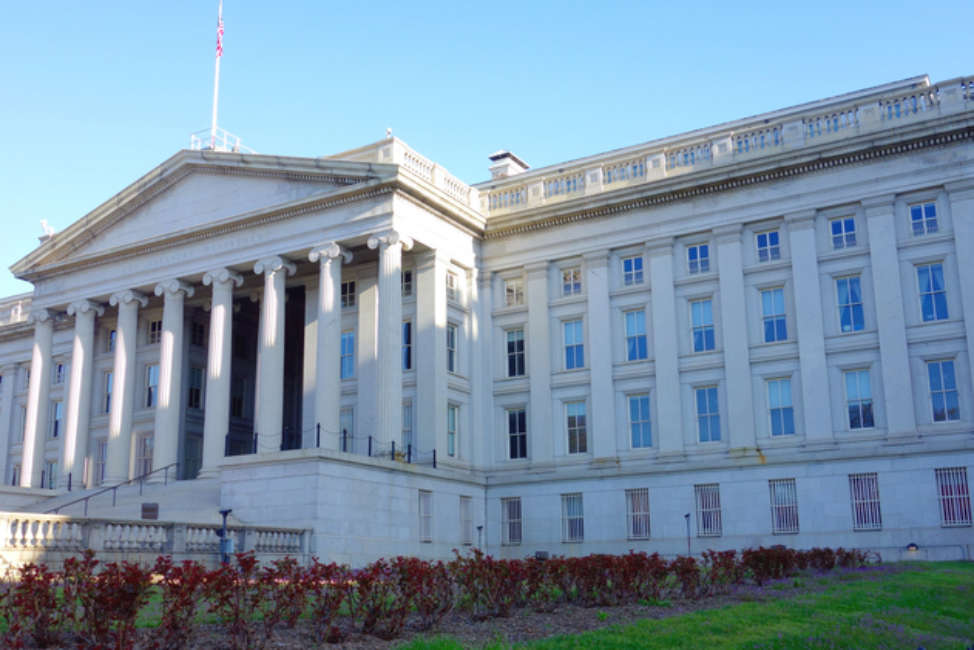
(270, 417)
(9, 374)
(78, 413)
(961, 197)
(430, 353)
(541, 430)
(481, 373)
(602, 425)
(169, 407)
(666, 348)
(38, 400)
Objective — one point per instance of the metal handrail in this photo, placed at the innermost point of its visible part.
(114, 489)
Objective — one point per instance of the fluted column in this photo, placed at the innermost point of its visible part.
(38, 399)
(665, 348)
(123, 385)
(391, 244)
(216, 416)
(78, 413)
(328, 384)
(9, 374)
(270, 417)
(169, 407)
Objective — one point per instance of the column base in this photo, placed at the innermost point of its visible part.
(208, 472)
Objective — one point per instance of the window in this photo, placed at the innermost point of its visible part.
(515, 353)
(101, 460)
(572, 518)
(59, 373)
(769, 246)
(452, 417)
(451, 347)
(238, 389)
(466, 521)
(708, 510)
(151, 385)
(425, 516)
(197, 334)
(514, 292)
(577, 437)
(637, 513)
(108, 392)
(784, 506)
(708, 414)
(407, 345)
(858, 395)
(348, 355)
(780, 408)
(15, 475)
(943, 390)
(864, 495)
(933, 296)
(407, 426)
(702, 328)
(571, 281)
(635, 335)
(155, 332)
(406, 280)
(511, 521)
(194, 399)
(348, 293)
(639, 428)
(574, 346)
(954, 495)
(110, 341)
(632, 270)
(50, 478)
(517, 433)
(346, 422)
(57, 415)
(452, 287)
(923, 218)
(773, 308)
(26, 378)
(143, 455)
(698, 258)
(23, 422)
(843, 232)
(849, 296)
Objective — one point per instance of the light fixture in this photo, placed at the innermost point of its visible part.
(912, 547)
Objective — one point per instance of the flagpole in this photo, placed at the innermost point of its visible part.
(216, 73)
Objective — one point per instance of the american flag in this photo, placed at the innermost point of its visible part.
(219, 32)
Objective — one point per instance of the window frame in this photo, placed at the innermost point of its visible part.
(786, 411)
(425, 516)
(783, 493)
(954, 504)
(706, 498)
(846, 236)
(944, 391)
(347, 294)
(406, 282)
(466, 520)
(407, 345)
(154, 332)
(712, 417)
(703, 328)
(851, 305)
(452, 429)
(57, 419)
(932, 293)
(778, 318)
(513, 292)
(636, 342)
(572, 284)
(151, 396)
(645, 425)
(509, 524)
(770, 251)
(698, 258)
(925, 220)
(194, 393)
(452, 348)
(516, 358)
(108, 379)
(637, 521)
(407, 433)
(144, 453)
(574, 349)
(865, 501)
(452, 287)
(517, 432)
(572, 524)
(635, 275)
(859, 399)
(346, 360)
(576, 429)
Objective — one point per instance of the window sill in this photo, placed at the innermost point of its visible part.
(629, 289)
(694, 278)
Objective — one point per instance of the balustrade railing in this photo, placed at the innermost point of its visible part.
(626, 170)
(140, 480)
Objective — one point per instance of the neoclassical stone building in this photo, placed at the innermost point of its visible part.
(759, 332)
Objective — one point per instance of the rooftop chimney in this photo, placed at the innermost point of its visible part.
(504, 164)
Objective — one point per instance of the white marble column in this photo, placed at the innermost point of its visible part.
(429, 355)
(38, 399)
(216, 414)
(811, 329)
(327, 358)
(481, 374)
(123, 385)
(894, 355)
(961, 197)
(602, 422)
(9, 374)
(271, 380)
(78, 413)
(537, 339)
(666, 346)
(169, 408)
(390, 244)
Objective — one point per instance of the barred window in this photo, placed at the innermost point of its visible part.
(425, 516)
(784, 506)
(511, 521)
(864, 493)
(954, 495)
(466, 521)
(572, 518)
(637, 513)
(708, 510)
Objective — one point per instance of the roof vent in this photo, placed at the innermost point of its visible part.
(504, 164)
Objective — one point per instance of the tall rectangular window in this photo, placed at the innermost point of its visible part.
(780, 408)
(637, 513)
(107, 385)
(943, 390)
(110, 340)
(577, 433)
(843, 232)
(702, 325)
(406, 283)
(348, 293)
(425, 516)
(574, 345)
(466, 521)
(769, 246)
(571, 281)
(101, 460)
(849, 297)
(452, 287)
(859, 399)
(635, 335)
(15, 475)
(511, 521)
(572, 518)
(151, 385)
(784, 506)
(155, 332)
(698, 258)
(632, 270)
(143, 455)
(451, 348)
(50, 480)
(238, 391)
(452, 422)
(514, 292)
(517, 433)
(933, 295)
(923, 218)
(515, 352)
(348, 355)
(194, 399)
(57, 419)
(773, 315)
(407, 425)
(708, 510)
(640, 431)
(864, 495)
(407, 345)
(23, 423)
(346, 422)
(59, 370)
(197, 334)
(954, 495)
(708, 414)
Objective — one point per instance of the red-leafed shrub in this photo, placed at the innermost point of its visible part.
(488, 587)
(541, 583)
(235, 594)
(852, 558)
(721, 570)
(687, 573)
(430, 586)
(649, 575)
(181, 590)
(330, 585)
(769, 563)
(118, 593)
(286, 586)
(31, 609)
(378, 602)
(822, 559)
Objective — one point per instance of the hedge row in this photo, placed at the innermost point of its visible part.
(251, 601)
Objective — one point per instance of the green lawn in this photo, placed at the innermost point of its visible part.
(928, 605)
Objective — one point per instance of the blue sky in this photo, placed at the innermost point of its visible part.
(95, 94)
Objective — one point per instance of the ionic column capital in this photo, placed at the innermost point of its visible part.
(390, 238)
(174, 286)
(126, 297)
(329, 250)
(273, 264)
(79, 307)
(40, 316)
(222, 276)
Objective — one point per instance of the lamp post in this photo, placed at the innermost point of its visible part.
(687, 517)
(226, 544)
